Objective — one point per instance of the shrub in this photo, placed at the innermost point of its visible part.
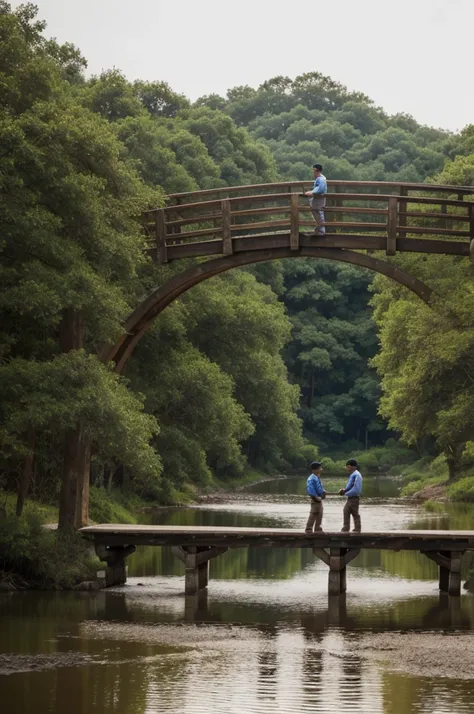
(462, 490)
(42, 557)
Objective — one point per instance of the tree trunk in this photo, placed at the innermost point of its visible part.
(453, 458)
(74, 497)
(27, 471)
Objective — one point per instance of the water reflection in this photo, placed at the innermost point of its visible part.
(284, 646)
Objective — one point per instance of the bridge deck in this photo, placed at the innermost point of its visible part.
(212, 536)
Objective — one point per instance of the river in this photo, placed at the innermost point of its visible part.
(263, 639)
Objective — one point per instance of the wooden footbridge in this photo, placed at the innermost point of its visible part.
(360, 215)
(237, 226)
(196, 546)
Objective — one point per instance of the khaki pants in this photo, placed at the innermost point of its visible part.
(317, 205)
(315, 517)
(352, 509)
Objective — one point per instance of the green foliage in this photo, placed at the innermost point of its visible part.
(463, 488)
(111, 506)
(53, 396)
(41, 557)
(378, 459)
(313, 117)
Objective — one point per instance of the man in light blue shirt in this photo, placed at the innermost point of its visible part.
(317, 198)
(316, 492)
(352, 490)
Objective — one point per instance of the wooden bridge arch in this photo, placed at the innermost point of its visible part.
(250, 224)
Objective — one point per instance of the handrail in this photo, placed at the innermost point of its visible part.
(289, 185)
(255, 221)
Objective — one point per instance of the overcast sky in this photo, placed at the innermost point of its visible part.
(411, 56)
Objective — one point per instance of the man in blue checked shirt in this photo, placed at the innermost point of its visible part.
(352, 490)
(317, 198)
(316, 492)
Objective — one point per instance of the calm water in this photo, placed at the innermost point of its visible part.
(263, 639)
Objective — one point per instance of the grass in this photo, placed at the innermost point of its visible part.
(113, 507)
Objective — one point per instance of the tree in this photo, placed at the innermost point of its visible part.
(71, 244)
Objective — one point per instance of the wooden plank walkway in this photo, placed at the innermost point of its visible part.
(195, 546)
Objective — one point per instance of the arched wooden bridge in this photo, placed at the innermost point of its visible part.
(250, 224)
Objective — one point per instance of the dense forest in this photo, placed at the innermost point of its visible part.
(262, 368)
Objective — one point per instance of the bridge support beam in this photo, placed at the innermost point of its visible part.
(196, 566)
(337, 559)
(449, 570)
(116, 570)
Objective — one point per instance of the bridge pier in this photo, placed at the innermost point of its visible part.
(449, 570)
(116, 570)
(337, 559)
(196, 565)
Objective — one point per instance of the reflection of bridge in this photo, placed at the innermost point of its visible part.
(195, 546)
(249, 224)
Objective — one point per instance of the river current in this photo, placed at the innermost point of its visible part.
(264, 638)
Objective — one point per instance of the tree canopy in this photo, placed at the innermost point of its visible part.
(245, 367)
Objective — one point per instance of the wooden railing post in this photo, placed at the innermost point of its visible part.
(443, 221)
(392, 225)
(402, 208)
(294, 222)
(160, 225)
(471, 230)
(227, 248)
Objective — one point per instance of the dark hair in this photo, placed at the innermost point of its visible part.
(316, 465)
(317, 166)
(351, 462)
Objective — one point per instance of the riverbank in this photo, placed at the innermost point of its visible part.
(427, 480)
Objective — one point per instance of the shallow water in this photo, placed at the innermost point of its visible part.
(263, 639)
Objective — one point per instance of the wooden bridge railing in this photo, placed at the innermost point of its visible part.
(359, 215)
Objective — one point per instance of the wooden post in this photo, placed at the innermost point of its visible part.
(294, 222)
(454, 587)
(337, 571)
(443, 579)
(226, 210)
(116, 570)
(337, 560)
(443, 221)
(392, 225)
(196, 578)
(449, 570)
(160, 236)
(471, 230)
(402, 207)
(196, 565)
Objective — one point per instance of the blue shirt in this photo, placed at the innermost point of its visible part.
(354, 485)
(314, 487)
(320, 185)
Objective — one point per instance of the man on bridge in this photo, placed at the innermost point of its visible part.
(352, 490)
(316, 492)
(317, 198)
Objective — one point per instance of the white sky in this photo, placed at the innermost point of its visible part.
(411, 56)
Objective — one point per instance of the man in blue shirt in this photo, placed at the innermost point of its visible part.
(352, 490)
(317, 198)
(316, 492)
